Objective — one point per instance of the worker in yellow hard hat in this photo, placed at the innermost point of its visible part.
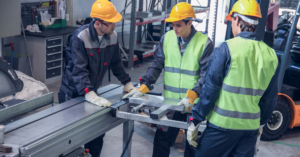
(239, 92)
(91, 49)
(183, 53)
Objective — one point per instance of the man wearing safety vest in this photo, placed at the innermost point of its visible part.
(183, 53)
(91, 49)
(239, 92)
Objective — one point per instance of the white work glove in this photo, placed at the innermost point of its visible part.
(192, 133)
(260, 130)
(134, 93)
(187, 106)
(93, 98)
(137, 92)
(129, 87)
(188, 101)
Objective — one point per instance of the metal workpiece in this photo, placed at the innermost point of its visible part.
(26, 106)
(137, 108)
(160, 112)
(162, 121)
(162, 105)
(157, 101)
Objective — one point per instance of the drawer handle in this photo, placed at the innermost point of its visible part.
(53, 64)
(53, 49)
(53, 73)
(53, 39)
(53, 42)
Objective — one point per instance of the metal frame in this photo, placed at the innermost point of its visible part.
(134, 22)
(123, 110)
(288, 47)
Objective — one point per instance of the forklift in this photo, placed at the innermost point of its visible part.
(287, 47)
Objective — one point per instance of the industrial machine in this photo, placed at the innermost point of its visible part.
(287, 111)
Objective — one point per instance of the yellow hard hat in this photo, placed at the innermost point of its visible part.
(181, 11)
(245, 7)
(106, 11)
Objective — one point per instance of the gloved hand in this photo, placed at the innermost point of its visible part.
(137, 92)
(129, 87)
(93, 98)
(260, 130)
(192, 134)
(188, 101)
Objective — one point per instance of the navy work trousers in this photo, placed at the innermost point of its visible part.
(218, 142)
(163, 141)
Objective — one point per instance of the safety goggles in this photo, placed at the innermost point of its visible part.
(110, 25)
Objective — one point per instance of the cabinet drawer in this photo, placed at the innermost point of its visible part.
(53, 49)
(51, 64)
(51, 57)
(51, 42)
(53, 72)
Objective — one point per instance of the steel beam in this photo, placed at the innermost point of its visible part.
(132, 34)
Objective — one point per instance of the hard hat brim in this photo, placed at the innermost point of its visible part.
(228, 17)
(171, 19)
(115, 19)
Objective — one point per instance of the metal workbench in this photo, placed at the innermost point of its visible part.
(63, 128)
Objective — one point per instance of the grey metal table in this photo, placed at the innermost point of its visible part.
(63, 128)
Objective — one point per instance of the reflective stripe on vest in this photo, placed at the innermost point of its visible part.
(252, 67)
(241, 90)
(182, 72)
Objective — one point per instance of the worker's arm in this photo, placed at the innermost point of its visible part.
(117, 66)
(216, 71)
(156, 67)
(80, 73)
(203, 65)
(268, 101)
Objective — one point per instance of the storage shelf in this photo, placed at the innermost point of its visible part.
(141, 17)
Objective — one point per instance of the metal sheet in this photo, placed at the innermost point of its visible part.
(157, 101)
(26, 106)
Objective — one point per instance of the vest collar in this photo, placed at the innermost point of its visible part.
(248, 35)
(193, 32)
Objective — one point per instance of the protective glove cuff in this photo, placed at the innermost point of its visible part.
(144, 89)
(192, 96)
(90, 95)
(128, 87)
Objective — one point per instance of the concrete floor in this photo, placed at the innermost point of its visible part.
(287, 146)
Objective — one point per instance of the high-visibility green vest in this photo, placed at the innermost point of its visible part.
(252, 67)
(182, 72)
